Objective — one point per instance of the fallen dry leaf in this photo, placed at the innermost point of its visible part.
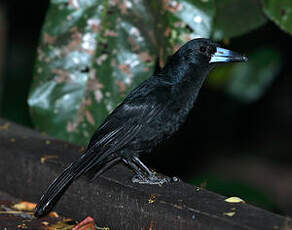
(15, 212)
(53, 214)
(85, 224)
(234, 199)
(151, 198)
(24, 206)
(229, 213)
(45, 223)
(65, 224)
(22, 226)
(47, 157)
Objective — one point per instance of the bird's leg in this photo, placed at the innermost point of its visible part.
(133, 166)
(151, 177)
(143, 174)
(143, 166)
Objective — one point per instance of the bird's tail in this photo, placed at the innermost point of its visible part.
(87, 161)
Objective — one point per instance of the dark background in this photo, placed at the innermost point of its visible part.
(227, 146)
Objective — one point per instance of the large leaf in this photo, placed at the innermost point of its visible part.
(280, 12)
(93, 52)
(236, 17)
(190, 19)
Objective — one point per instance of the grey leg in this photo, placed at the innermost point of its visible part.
(143, 166)
(133, 166)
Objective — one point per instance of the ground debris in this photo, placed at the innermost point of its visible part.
(48, 157)
(151, 199)
(24, 206)
(20, 215)
(234, 199)
(86, 224)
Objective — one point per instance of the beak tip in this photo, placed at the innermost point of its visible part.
(244, 58)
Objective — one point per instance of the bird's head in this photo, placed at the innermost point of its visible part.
(195, 59)
(204, 53)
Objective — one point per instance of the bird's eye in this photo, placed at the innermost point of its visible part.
(203, 49)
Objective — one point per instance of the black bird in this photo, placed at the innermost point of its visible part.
(151, 113)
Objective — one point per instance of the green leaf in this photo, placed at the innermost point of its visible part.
(190, 19)
(280, 12)
(93, 52)
(236, 17)
(180, 21)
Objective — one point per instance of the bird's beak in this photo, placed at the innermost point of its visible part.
(224, 55)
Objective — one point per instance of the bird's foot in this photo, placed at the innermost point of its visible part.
(145, 175)
(151, 179)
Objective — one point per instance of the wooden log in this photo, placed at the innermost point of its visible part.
(30, 161)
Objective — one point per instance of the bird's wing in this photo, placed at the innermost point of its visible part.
(127, 120)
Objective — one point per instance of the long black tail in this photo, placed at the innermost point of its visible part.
(87, 161)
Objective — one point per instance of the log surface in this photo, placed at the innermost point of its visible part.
(30, 161)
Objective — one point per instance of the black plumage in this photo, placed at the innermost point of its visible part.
(150, 114)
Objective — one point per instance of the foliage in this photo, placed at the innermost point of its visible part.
(93, 52)
(236, 17)
(280, 12)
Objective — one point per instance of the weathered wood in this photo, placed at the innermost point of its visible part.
(113, 200)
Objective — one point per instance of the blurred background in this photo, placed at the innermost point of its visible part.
(65, 65)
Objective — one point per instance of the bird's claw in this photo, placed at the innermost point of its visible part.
(175, 179)
(151, 180)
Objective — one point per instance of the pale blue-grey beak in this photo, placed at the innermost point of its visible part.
(224, 55)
